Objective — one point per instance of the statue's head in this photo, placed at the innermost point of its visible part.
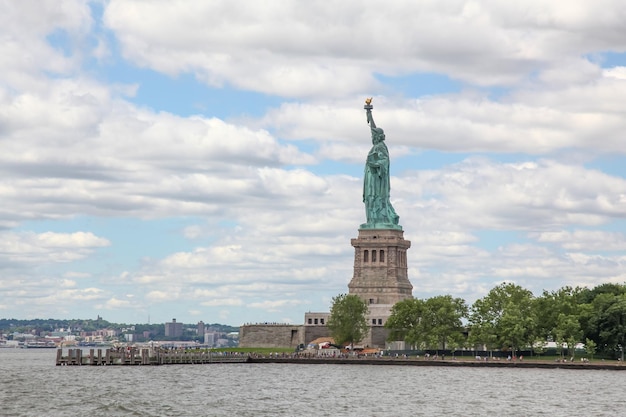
(378, 135)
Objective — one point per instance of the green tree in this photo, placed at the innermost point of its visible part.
(347, 321)
(614, 326)
(443, 320)
(435, 322)
(482, 333)
(590, 348)
(539, 347)
(568, 331)
(605, 321)
(553, 306)
(505, 317)
(596, 317)
(588, 295)
(405, 320)
(517, 325)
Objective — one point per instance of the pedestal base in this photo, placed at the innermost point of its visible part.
(380, 267)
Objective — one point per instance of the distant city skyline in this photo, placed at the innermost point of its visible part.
(204, 160)
(38, 333)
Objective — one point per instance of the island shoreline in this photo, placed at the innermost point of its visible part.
(526, 364)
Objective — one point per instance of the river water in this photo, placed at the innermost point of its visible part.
(31, 385)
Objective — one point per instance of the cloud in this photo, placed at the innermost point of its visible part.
(272, 48)
(131, 161)
(26, 50)
(193, 232)
(115, 303)
(233, 302)
(159, 295)
(275, 305)
(68, 283)
(48, 247)
(480, 194)
(39, 299)
(536, 119)
(584, 240)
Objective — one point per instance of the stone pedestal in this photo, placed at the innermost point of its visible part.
(380, 267)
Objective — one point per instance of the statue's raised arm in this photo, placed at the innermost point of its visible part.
(368, 110)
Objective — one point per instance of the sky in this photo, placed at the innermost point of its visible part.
(203, 160)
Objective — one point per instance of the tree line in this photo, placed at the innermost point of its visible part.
(508, 318)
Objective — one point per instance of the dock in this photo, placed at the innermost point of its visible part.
(143, 356)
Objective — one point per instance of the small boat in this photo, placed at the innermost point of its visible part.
(39, 345)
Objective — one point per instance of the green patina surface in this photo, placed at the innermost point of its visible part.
(379, 212)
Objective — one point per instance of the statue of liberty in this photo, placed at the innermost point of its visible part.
(378, 209)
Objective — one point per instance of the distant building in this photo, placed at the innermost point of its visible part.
(104, 333)
(316, 318)
(210, 339)
(173, 329)
(200, 329)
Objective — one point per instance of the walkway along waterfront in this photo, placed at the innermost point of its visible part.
(146, 356)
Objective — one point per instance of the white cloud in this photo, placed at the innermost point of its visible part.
(125, 160)
(274, 47)
(25, 50)
(525, 196)
(39, 299)
(537, 119)
(193, 232)
(67, 283)
(115, 303)
(160, 295)
(616, 72)
(585, 240)
(232, 302)
(48, 247)
(275, 305)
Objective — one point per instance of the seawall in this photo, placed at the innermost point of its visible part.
(613, 366)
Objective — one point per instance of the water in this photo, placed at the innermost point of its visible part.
(31, 385)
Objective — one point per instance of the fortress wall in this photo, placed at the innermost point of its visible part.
(279, 335)
(284, 335)
(271, 335)
(313, 332)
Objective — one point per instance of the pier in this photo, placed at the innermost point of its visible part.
(143, 356)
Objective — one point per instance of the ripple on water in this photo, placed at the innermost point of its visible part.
(31, 385)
